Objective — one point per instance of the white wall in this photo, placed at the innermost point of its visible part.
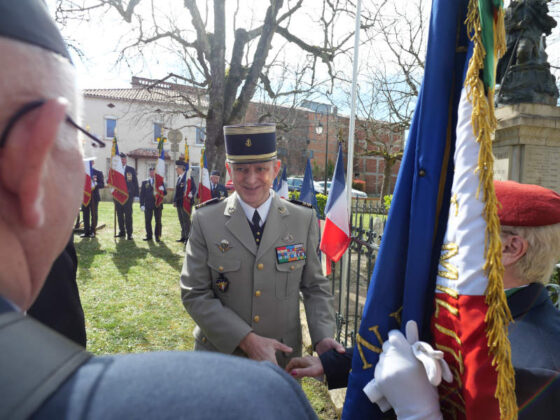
(135, 130)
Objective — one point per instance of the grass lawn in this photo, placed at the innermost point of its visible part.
(131, 297)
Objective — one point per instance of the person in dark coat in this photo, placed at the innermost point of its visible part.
(58, 305)
(180, 187)
(218, 190)
(90, 211)
(148, 206)
(45, 375)
(124, 211)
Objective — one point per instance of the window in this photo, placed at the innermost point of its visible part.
(310, 154)
(157, 131)
(110, 126)
(200, 135)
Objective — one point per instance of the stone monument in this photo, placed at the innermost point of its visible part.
(527, 141)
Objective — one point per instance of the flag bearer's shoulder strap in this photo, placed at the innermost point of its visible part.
(34, 362)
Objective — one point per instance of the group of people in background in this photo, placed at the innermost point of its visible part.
(147, 202)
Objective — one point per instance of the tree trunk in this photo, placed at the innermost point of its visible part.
(386, 185)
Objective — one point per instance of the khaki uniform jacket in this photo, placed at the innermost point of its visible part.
(262, 294)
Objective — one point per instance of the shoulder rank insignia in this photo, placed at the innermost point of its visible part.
(301, 203)
(209, 202)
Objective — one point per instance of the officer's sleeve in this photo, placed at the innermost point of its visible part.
(315, 287)
(223, 327)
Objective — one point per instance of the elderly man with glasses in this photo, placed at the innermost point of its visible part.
(44, 375)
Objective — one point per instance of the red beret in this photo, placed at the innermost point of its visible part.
(526, 204)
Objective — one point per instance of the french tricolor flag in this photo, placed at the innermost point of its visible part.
(204, 192)
(160, 175)
(88, 185)
(336, 234)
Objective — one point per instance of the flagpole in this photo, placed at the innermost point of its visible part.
(349, 165)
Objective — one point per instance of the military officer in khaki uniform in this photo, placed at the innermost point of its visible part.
(249, 256)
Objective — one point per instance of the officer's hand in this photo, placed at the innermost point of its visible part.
(328, 343)
(300, 367)
(262, 348)
(142, 208)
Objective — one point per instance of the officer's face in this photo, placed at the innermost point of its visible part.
(179, 170)
(252, 181)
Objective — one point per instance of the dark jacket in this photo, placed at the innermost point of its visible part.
(219, 191)
(147, 198)
(100, 184)
(58, 305)
(180, 189)
(535, 332)
(131, 181)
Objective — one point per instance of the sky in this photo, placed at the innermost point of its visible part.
(102, 37)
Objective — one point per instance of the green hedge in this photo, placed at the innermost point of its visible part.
(321, 201)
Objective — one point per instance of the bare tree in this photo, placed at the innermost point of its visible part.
(227, 71)
(398, 75)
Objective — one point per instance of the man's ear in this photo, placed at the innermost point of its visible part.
(24, 159)
(514, 248)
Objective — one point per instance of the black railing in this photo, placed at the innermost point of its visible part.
(367, 223)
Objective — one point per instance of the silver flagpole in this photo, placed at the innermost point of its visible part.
(349, 165)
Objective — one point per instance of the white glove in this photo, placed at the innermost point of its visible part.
(160, 188)
(142, 208)
(190, 195)
(406, 376)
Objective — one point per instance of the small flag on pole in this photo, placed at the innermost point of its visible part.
(190, 190)
(116, 177)
(204, 192)
(336, 233)
(160, 174)
(88, 186)
(307, 192)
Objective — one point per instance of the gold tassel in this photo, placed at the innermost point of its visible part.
(484, 123)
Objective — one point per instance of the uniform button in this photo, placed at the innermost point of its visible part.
(258, 240)
(422, 172)
(260, 266)
(220, 268)
(258, 233)
(292, 267)
(256, 318)
(257, 293)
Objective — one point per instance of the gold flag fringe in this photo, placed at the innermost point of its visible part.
(484, 123)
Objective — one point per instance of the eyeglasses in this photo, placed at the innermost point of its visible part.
(30, 106)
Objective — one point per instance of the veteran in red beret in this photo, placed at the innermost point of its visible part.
(530, 219)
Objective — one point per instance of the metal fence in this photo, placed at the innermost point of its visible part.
(367, 224)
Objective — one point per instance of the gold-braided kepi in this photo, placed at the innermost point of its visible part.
(250, 143)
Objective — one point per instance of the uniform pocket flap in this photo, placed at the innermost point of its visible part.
(289, 266)
(224, 266)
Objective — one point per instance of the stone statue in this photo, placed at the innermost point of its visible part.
(523, 72)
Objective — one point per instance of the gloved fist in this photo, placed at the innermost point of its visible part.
(406, 376)
(160, 188)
